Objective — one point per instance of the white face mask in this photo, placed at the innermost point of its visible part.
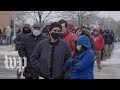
(78, 47)
(36, 32)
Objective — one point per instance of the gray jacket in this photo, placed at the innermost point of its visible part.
(41, 56)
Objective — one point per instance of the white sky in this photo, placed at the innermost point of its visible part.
(114, 14)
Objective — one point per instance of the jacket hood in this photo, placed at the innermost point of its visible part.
(27, 25)
(70, 25)
(98, 30)
(84, 40)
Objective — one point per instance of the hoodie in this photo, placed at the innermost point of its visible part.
(98, 41)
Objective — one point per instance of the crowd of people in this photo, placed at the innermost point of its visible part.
(61, 51)
(5, 36)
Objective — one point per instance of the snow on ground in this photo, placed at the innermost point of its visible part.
(8, 50)
(115, 57)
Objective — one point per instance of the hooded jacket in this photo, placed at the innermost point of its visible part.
(84, 68)
(98, 41)
(20, 36)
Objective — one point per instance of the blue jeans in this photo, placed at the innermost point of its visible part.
(7, 40)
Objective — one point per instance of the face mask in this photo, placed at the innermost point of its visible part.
(78, 47)
(36, 32)
(96, 33)
(55, 35)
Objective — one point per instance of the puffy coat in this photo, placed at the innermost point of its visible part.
(69, 37)
(84, 68)
(98, 41)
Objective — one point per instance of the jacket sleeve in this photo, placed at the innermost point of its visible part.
(72, 44)
(21, 49)
(17, 40)
(35, 57)
(84, 63)
(68, 63)
(67, 52)
(102, 42)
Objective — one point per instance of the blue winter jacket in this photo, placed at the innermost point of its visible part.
(84, 69)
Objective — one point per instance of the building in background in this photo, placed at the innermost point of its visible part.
(5, 19)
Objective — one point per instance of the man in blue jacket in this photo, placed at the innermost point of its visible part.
(81, 66)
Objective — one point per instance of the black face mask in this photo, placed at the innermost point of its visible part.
(55, 35)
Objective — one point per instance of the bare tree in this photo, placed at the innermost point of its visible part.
(19, 16)
(39, 16)
(79, 17)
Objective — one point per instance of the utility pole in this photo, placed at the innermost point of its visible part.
(109, 21)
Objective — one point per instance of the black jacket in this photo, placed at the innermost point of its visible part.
(20, 35)
(27, 45)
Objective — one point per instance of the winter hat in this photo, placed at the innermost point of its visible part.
(55, 24)
(70, 25)
(36, 25)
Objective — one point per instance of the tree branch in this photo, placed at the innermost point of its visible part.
(46, 17)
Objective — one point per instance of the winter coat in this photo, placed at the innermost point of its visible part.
(98, 41)
(108, 37)
(19, 37)
(18, 40)
(8, 31)
(92, 43)
(41, 58)
(84, 68)
(69, 37)
(26, 48)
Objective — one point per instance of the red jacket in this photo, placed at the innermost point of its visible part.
(70, 38)
(98, 41)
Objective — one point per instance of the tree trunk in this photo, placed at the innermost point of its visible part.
(40, 17)
(79, 19)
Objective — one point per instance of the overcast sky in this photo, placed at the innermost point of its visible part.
(114, 14)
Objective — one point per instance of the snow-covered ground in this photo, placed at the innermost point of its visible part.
(115, 57)
(111, 67)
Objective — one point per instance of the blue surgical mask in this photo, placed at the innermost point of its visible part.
(96, 33)
(78, 47)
